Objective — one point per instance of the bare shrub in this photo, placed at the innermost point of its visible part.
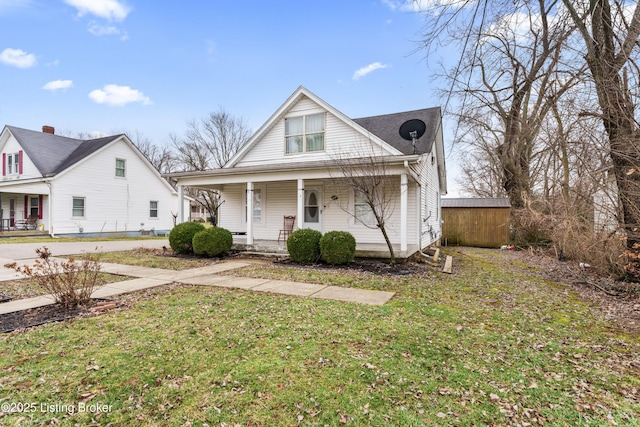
(572, 238)
(70, 282)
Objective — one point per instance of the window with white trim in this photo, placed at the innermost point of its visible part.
(13, 162)
(34, 206)
(258, 206)
(304, 134)
(153, 209)
(362, 211)
(78, 207)
(120, 167)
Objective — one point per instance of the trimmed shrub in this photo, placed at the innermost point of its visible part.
(181, 236)
(338, 247)
(213, 241)
(304, 246)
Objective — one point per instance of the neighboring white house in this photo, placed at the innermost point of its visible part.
(288, 167)
(86, 187)
(605, 202)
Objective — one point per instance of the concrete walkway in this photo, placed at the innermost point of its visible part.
(145, 278)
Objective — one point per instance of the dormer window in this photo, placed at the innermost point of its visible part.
(304, 134)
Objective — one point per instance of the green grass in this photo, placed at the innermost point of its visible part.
(27, 288)
(154, 258)
(486, 346)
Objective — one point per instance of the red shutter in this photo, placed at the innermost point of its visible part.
(26, 206)
(4, 164)
(20, 162)
(40, 206)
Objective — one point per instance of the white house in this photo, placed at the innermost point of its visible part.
(81, 187)
(289, 167)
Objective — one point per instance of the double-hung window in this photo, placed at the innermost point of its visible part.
(120, 168)
(257, 214)
(304, 133)
(153, 209)
(34, 206)
(78, 208)
(13, 162)
(363, 212)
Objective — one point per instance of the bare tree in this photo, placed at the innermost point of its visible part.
(160, 156)
(375, 193)
(208, 144)
(611, 40)
(507, 84)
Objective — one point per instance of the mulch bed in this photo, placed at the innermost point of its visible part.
(51, 313)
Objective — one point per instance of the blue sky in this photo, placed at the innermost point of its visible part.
(150, 66)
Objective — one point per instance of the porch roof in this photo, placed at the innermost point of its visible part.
(284, 171)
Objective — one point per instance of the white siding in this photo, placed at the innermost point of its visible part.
(430, 211)
(29, 170)
(340, 139)
(281, 200)
(112, 204)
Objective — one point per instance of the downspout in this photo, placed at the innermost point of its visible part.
(50, 208)
(420, 222)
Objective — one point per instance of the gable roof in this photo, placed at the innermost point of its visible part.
(52, 154)
(299, 94)
(387, 127)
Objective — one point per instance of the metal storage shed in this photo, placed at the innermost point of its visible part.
(482, 222)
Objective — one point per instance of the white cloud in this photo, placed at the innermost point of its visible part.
(107, 30)
(368, 69)
(112, 10)
(58, 85)
(18, 58)
(424, 5)
(118, 95)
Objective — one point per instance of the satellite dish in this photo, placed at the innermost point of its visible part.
(412, 129)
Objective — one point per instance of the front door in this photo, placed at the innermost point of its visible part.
(12, 212)
(313, 209)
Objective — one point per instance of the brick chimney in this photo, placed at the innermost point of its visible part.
(49, 129)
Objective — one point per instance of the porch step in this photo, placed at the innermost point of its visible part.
(261, 249)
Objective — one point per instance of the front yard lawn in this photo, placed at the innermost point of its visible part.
(490, 345)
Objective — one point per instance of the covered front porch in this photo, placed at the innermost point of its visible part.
(271, 247)
(255, 201)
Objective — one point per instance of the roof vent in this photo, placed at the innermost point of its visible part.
(49, 129)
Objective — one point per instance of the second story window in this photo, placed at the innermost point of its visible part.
(13, 162)
(120, 167)
(304, 133)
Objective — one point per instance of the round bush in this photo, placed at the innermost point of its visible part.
(212, 242)
(304, 246)
(338, 247)
(181, 235)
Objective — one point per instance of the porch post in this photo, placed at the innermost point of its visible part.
(180, 204)
(300, 218)
(403, 211)
(249, 213)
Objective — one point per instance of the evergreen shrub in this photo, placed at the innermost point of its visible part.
(212, 242)
(181, 237)
(338, 247)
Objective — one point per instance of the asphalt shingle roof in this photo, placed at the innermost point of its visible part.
(52, 154)
(387, 127)
(485, 202)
